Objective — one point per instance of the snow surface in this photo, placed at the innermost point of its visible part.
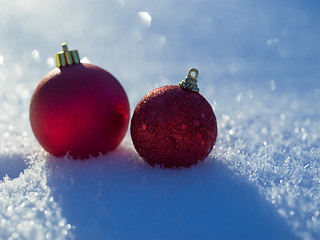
(259, 68)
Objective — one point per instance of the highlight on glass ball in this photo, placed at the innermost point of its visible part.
(174, 126)
(78, 109)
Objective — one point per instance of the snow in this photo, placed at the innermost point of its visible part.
(259, 67)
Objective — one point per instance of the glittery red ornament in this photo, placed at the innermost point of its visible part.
(79, 109)
(174, 126)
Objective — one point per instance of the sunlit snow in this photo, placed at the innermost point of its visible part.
(259, 67)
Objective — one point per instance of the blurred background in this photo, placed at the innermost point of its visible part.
(249, 42)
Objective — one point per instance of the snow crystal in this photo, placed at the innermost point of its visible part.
(24, 201)
(35, 55)
(145, 18)
(273, 41)
(287, 170)
(51, 62)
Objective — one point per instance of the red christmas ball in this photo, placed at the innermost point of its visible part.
(174, 126)
(79, 109)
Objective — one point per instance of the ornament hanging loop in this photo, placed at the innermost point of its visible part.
(190, 81)
(193, 73)
(64, 47)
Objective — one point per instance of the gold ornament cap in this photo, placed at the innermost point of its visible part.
(190, 81)
(66, 57)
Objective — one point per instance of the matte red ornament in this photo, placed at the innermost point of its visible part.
(79, 109)
(174, 126)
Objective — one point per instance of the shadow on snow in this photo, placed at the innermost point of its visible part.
(118, 196)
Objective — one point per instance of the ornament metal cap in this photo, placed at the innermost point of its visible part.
(66, 57)
(190, 81)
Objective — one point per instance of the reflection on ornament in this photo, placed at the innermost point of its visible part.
(79, 109)
(174, 126)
